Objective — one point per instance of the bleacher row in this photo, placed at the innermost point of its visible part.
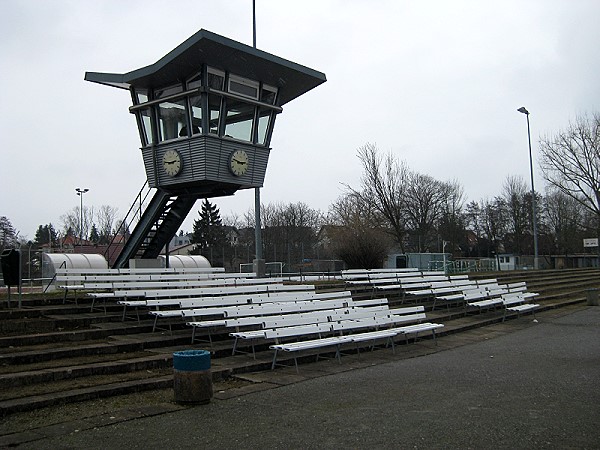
(287, 317)
(412, 284)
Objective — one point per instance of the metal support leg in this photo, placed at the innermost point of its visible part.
(275, 360)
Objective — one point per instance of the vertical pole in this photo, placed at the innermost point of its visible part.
(257, 225)
(81, 218)
(259, 265)
(535, 237)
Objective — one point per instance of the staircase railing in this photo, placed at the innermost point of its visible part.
(133, 216)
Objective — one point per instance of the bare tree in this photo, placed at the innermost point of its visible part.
(383, 187)
(451, 225)
(290, 231)
(424, 204)
(514, 193)
(354, 232)
(80, 223)
(493, 221)
(106, 217)
(564, 218)
(570, 161)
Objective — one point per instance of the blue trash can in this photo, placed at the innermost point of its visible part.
(192, 378)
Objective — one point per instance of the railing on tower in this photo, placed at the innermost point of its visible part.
(133, 216)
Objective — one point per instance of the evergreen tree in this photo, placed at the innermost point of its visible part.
(208, 229)
(94, 235)
(45, 234)
(8, 234)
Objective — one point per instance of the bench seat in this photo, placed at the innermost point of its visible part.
(485, 304)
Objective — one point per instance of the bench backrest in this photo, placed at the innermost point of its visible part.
(301, 330)
(181, 283)
(148, 270)
(213, 291)
(198, 302)
(281, 308)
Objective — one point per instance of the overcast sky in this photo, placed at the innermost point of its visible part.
(437, 83)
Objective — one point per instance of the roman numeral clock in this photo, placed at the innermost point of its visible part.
(205, 114)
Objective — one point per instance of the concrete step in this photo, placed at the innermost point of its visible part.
(106, 357)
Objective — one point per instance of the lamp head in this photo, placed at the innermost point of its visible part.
(523, 110)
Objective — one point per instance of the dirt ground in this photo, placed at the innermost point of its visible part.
(53, 415)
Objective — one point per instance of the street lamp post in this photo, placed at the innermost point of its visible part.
(80, 192)
(523, 110)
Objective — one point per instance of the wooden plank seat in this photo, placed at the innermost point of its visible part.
(361, 337)
(341, 321)
(517, 287)
(124, 278)
(433, 292)
(130, 287)
(485, 304)
(72, 279)
(180, 283)
(258, 310)
(448, 299)
(354, 313)
(379, 277)
(517, 303)
(116, 286)
(202, 291)
(137, 295)
(216, 305)
(483, 300)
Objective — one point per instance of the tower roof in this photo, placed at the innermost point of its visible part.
(222, 53)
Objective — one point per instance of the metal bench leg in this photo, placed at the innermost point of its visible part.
(234, 346)
(338, 354)
(275, 360)
(357, 349)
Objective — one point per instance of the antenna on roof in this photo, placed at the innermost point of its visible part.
(254, 23)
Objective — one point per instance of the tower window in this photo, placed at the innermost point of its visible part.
(243, 86)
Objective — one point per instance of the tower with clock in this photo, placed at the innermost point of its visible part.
(205, 114)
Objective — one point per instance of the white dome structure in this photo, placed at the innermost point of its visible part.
(53, 261)
(186, 262)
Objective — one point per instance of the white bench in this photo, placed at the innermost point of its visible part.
(186, 307)
(356, 338)
(258, 310)
(138, 297)
(353, 313)
(369, 320)
(517, 302)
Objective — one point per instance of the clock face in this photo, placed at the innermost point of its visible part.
(239, 162)
(172, 162)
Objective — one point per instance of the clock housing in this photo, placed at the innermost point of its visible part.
(239, 162)
(172, 162)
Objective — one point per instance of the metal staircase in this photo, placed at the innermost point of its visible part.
(157, 224)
